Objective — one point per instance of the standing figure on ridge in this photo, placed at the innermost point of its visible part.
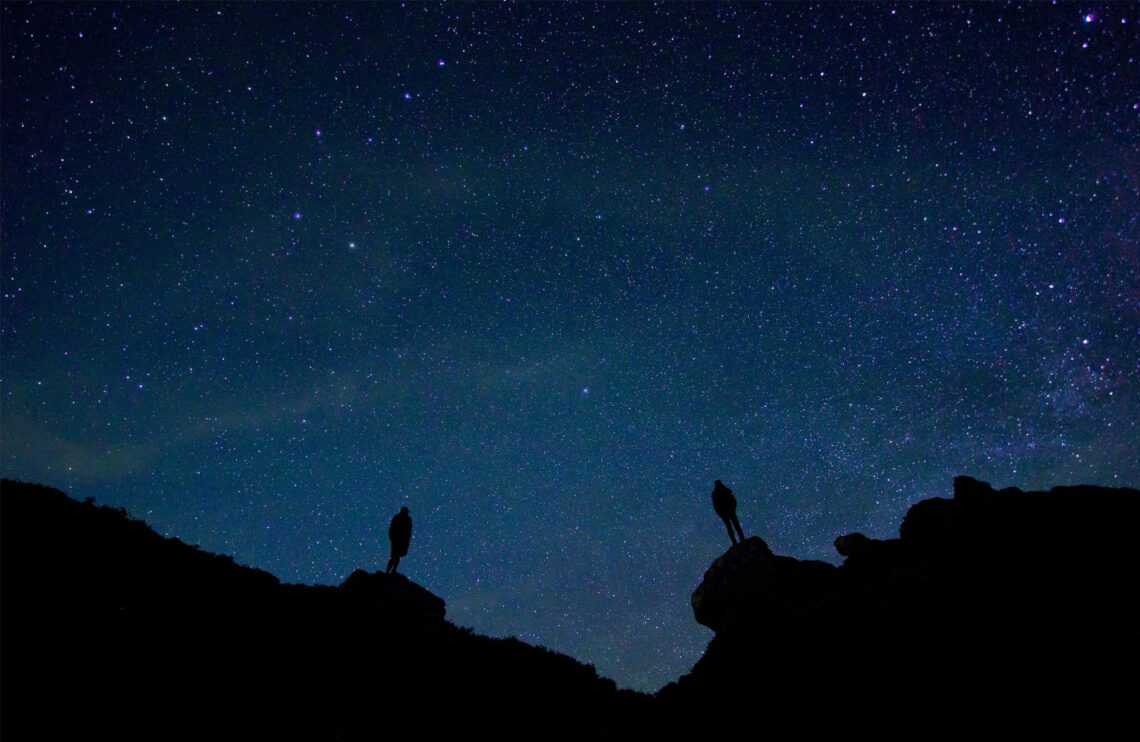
(725, 506)
(399, 533)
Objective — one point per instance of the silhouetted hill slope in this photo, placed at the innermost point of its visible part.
(996, 613)
(111, 629)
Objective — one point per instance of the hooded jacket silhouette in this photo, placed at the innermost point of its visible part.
(400, 534)
(725, 506)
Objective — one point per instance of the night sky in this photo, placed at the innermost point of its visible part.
(542, 273)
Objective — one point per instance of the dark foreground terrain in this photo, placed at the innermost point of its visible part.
(1002, 613)
(1005, 612)
(111, 630)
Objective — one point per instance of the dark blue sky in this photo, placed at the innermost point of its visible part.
(544, 272)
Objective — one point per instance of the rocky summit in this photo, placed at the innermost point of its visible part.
(1006, 611)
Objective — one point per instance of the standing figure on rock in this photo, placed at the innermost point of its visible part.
(399, 533)
(725, 506)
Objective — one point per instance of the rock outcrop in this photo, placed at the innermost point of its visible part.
(749, 579)
(395, 594)
(1009, 611)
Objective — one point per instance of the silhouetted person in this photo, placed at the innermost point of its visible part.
(725, 506)
(399, 533)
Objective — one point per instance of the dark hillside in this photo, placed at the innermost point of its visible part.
(110, 628)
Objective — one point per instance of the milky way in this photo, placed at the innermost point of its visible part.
(542, 273)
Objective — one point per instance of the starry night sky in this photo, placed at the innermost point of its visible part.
(542, 273)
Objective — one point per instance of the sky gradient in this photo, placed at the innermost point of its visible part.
(542, 273)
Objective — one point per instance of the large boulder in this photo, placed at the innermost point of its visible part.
(749, 580)
(395, 595)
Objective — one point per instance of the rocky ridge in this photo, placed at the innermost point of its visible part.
(1006, 610)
